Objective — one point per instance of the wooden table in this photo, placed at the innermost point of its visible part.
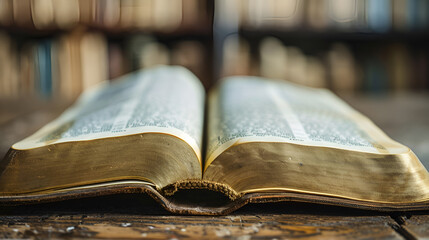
(405, 117)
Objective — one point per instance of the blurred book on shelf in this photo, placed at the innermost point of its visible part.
(8, 67)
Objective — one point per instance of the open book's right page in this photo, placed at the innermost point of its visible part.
(267, 135)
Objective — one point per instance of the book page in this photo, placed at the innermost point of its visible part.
(251, 109)
(167, 100)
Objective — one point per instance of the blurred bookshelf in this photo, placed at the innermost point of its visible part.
(54, 49)
(356, 46)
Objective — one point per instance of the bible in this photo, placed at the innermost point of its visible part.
(251, 139)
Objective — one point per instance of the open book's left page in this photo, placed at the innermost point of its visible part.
(145, 126)
(145, 101)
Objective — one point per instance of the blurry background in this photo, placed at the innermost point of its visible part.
(54, 49)
(373, 53)
(346, 45)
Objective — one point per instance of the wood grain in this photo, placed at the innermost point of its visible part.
(417, 225)
(133, 226)
(138, 216)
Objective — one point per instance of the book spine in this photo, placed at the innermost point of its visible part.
(44, 68)
(379, 17)
(171, 189)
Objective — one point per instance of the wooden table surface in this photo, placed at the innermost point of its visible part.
(404, 117)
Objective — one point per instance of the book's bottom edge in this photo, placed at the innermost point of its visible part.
(224, 189)
(193, 209)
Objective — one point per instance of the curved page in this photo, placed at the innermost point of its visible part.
(166, 100)
(252, 109)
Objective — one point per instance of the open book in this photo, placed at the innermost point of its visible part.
(262, 140)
